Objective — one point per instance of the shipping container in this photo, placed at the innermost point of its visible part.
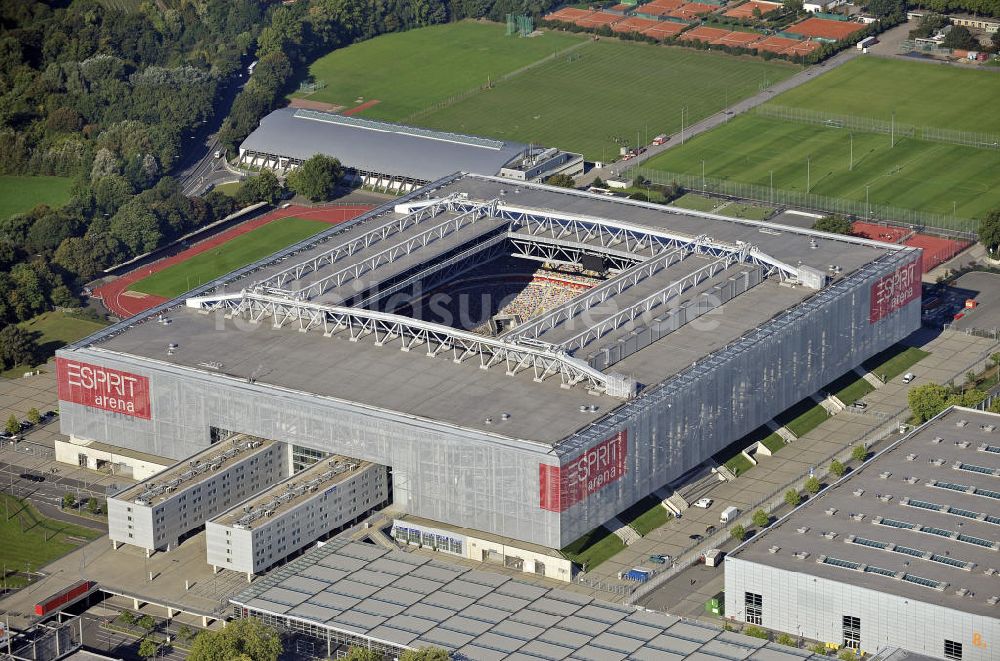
(70, 594)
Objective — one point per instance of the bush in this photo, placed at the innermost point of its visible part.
(818, 648)
(837, 469)
(785, 639)
(738, 532)
(757, 632)
(761, 519)
(812, 485)
(34, 416)
(847, 654)
(93, 506)
(68, 501)
(792, 498)
(859, 453)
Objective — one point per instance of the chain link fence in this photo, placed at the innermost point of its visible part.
(872, 125)
(951, 226)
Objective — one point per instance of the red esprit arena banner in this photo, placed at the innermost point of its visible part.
(103, 388)
(893, 291)
(563, 486)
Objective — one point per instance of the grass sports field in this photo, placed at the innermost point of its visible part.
(410, 71)
(242, 250)
(56, 329)
(21, 194)
(926, 176)
(919, 94)
(607, 90)
(934, 177)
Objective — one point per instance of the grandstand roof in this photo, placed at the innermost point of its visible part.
(463, 394)
(919, 520)
(381, 147)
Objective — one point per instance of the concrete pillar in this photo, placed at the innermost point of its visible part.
(149, 552)
(136, 604)
(215, 569)
(249, 577)
(204, 621)
(114, 545)
(170, 613)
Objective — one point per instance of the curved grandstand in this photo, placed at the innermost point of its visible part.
(630, 342)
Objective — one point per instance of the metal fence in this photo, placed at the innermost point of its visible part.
(872, 125)
(953, 226)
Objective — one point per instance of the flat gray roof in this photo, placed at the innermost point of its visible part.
(463, 394)
(410, 600)
(380, 147)
(920, 520)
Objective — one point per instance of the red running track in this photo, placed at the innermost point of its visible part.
(124, 303)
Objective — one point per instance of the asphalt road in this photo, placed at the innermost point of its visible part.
(47, 496)
(614, 169)
(117, 644)
(199, 170)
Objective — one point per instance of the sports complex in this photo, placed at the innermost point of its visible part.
(528, 361)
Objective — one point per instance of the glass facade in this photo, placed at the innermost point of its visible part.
(303, 458)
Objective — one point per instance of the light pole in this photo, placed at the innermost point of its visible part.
(772, 186)
(703, 174)
(851, 166)
(868, 207)
(808, 172)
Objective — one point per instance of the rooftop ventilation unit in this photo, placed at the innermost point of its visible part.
(859, 492)
(802, 530)
(961, 423)
(936, 440)
(774, 549)
(801, 555)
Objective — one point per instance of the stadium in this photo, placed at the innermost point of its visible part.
(528, 361)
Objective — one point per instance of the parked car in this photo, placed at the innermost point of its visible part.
(909, 376)
(658, 559)
(32, 477)
(704, 503)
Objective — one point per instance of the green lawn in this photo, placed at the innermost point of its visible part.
(594, 548)
(747, 211)
(229, 189)
(854, 391)
(410, 71)
(894, 361)
(919, 94)
(807, 421)
(935, 177)
(606, 92)
(773, 442)
(21, 194)
(697, 202)
(30, 540)
(242, 250)
(646, 516)
(56, 329)
(738, 464)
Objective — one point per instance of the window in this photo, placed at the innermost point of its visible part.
(952, 650)
(754, 604)
(852, 632)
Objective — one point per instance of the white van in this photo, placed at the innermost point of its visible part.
(729, 514)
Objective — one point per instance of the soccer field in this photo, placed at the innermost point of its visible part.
(919, 94)
(607, 91)
(22, 194)
(411, 71)
(242, 250)
(935, 177)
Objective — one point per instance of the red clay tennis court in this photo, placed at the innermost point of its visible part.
(876, 232)
(825, 29)
(660, 7)
(937, 250)
(599, 19)
(692, 10)
(123, 303)
(738, 39)
(746, 9)
(801, 48)
(775, 44)
(665, 30)
(634, 24)
(706, 34)
(568, 15)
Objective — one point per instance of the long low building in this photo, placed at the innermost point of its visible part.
(391, 156)
(904, 552)
(644, 339)
(284, 519)
(159, 513)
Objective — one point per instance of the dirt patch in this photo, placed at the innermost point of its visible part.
(315, 105)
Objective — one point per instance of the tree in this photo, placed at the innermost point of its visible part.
(995, 41)
(128, 617)
(859, 453)
(317, 178)
(837, 469)
(248, 636)
(148, 648)
(812, 485)
(68, 501)
(927, 401)
(12, 426)
(93, 506)
(989, 231)
(882, 8)
(425, 654)
(362, 654)
(561, 180)
(17, 346)
(265, 187)
(792, 498)
(793, 6)
(960, 37)
(738, 532)
(137, 227)
(34, 416)
(146, 622)
(761, 519)
(833, 224)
